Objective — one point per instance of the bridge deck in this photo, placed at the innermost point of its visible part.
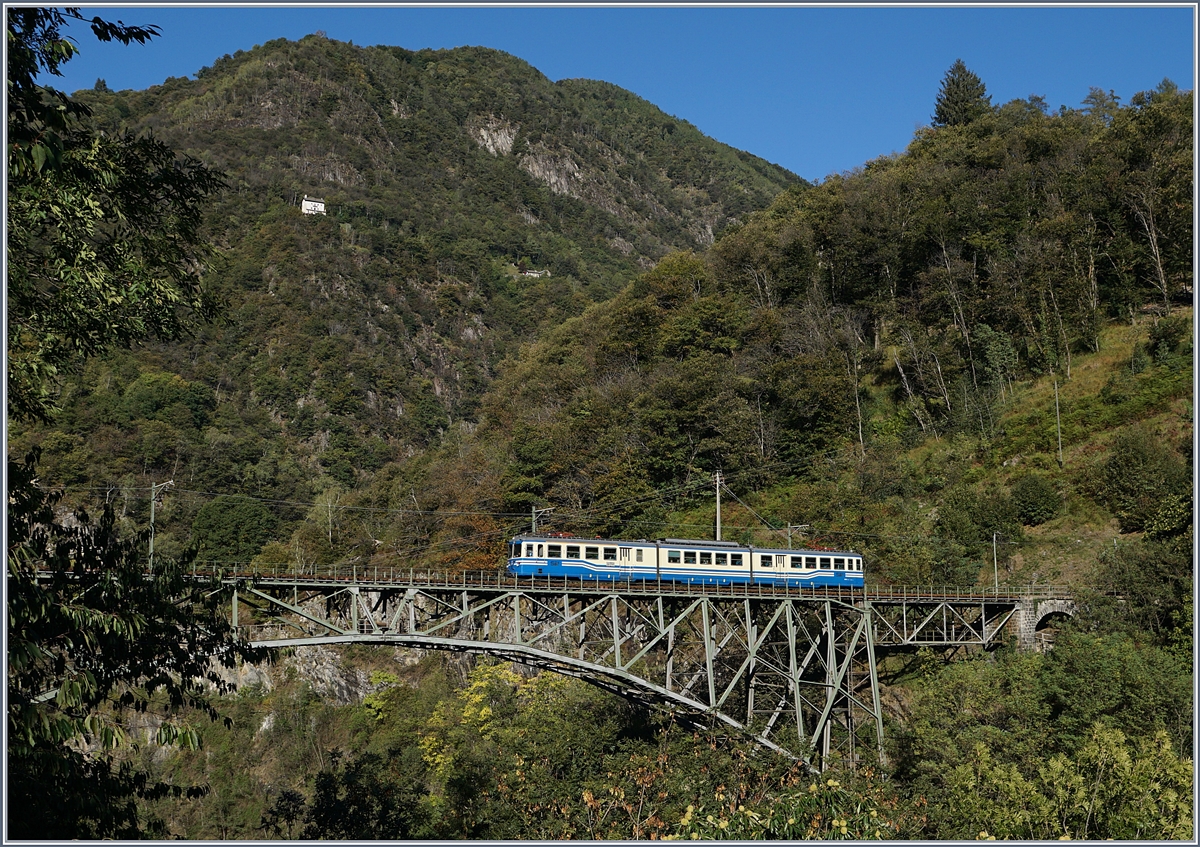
(378, 578)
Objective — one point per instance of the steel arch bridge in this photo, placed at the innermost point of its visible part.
(794, 669)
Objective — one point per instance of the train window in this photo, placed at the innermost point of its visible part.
(722, 558)
(540, 550)
(610, 554)
(766, 562)
(735, 559)
(797, 561)
(529, 550)
(839, 564)
(706, 558)
(592, 553)
(810, 562)
(673, 557)
(554, 551)
(825, 563)
(638, 554)
(572, 551)
(689, 557)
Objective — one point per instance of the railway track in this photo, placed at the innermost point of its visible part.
(385, 577)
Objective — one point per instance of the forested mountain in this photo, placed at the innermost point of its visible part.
(971, 361)
(355, 338)
(906, 301)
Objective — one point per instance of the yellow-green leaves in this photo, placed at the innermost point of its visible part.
(376, 701)
(1115, 787)
(825, 810)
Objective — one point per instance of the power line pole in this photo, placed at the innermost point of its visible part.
(156, 493)
(718, 480)
(536, 512)
(797, 526)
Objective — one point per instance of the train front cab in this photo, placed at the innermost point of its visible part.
(584, 558)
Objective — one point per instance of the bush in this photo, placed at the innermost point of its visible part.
(1167, 336)
(1139, 475)
(168, 398)
(1036, 499)
(232, 528)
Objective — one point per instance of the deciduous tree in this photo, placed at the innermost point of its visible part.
(104, 247)
(91, 639)
(103, 250)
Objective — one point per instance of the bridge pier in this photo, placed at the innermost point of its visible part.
(1032, 616)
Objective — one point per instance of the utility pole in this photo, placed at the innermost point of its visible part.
(156, 493)
(797, 526)
(995, 566)
(718, 479)
(536, 512)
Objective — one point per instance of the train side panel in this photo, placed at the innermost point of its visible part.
(692, 562)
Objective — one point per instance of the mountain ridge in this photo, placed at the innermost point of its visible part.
(360, 337)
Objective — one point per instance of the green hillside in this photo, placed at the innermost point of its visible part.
(876, 357)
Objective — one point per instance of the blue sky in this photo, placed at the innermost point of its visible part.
(819, 90)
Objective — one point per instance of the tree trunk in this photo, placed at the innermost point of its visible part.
(1143, 209)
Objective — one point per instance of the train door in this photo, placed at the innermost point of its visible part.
(624, 561)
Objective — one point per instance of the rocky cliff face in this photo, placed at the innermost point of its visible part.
(329, 672)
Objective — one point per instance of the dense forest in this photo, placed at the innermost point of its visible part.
(971, 361)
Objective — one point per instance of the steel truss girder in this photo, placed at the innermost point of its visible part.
(941, 623)
(797, 674)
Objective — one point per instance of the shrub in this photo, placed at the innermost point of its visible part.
(232, 528)
(1036, 499)
(1139, 475)
(1167, 335)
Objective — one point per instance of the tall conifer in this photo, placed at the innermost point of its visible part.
(962, 98)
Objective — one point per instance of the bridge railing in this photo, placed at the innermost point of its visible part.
(1003, 592)
(388, 576)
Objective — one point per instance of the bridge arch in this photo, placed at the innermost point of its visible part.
(624, 684)
(793, 672)
(1038, 616)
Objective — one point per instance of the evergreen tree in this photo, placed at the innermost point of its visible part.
(962, 98)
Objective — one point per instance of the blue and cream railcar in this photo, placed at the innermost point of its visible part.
(681, 560)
